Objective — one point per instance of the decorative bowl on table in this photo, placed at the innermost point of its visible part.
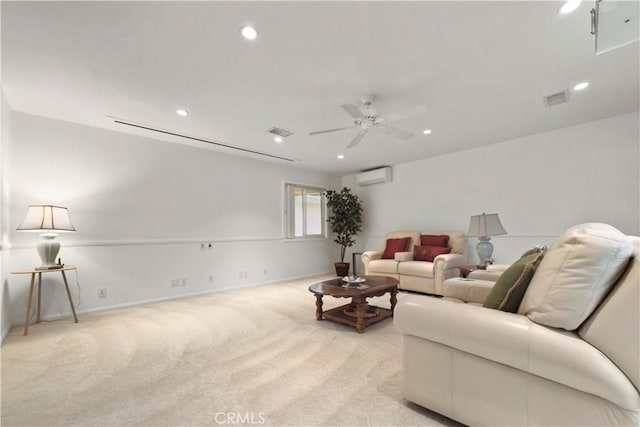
(353, 279)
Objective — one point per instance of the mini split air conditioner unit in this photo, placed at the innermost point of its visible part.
(375, 176)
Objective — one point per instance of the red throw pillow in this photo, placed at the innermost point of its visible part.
(431, 240)
(428, 253)
(395, 245)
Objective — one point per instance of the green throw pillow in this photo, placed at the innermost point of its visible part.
(510, 287)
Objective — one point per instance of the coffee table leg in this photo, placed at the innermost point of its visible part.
(393, 299)
(361, 310)
(318, 307)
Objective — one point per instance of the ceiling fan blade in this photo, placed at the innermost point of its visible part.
(353, 111)
(418, 110)
(355, 141)
(330, 130)
(394, 131)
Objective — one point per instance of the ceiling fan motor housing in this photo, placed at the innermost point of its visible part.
(367, 100)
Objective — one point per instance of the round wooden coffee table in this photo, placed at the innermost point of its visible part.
(358, 313)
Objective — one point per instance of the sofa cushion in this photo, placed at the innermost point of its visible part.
(395, 245)
(510, 287)
(403, 256)
(432, 240)
(414, 235)
(416, 268)
(575, 275)
(457, 241)
(384, 266)
(428, 253)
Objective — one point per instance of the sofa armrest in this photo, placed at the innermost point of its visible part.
(492, 272)
(403, 256)
(369, 256)
(447, 261)
(514, 340)
(444, 267)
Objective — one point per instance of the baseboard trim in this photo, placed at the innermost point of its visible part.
(62, 316)
(5, 332)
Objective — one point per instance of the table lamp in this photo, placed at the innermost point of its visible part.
(483, 226)
(47, 218)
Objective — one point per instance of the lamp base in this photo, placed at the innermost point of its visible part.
(485, 249)
(48, 249)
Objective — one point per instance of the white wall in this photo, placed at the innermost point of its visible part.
(142, 208)
(5, 321)
(540, 185)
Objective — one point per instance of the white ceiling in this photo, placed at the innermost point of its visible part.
(481, 68)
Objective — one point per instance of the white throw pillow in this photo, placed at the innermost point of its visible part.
(575, 275)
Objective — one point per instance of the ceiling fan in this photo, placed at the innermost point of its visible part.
(368, 118)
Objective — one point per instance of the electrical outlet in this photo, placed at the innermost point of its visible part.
(265, 271)
(210, 279)
(102, 293)
(175, 283)
(202, 246)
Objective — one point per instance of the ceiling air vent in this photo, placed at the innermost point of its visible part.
(280, 132)
(556, 98)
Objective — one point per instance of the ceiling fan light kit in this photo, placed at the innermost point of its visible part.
(367, 118)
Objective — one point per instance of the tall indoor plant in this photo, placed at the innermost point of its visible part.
(345, 222)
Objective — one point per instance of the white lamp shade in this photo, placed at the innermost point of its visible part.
(46, 217)
(485, 225)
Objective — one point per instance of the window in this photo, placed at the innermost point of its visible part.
(304, 211)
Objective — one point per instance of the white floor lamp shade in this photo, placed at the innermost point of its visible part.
(50, 219)
(483, 226)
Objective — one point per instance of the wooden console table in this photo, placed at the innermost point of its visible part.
(33, 273)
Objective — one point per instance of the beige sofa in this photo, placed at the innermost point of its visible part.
(482, 366)
(476, 286)
(419, 276)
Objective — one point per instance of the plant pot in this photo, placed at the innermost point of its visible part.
(342, 268)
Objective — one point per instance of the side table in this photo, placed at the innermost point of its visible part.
(33, 273)
(466, 269)
(353, 261)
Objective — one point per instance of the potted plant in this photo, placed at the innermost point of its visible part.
(345, 222)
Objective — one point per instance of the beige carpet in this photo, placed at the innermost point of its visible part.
(254, 356)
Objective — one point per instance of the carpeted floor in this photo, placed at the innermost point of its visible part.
(254, 356)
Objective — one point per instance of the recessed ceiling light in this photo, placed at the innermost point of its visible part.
(426, 131)
(340, 156)
(182, 112)
(248, 32)
(278, 139)
(569, 6)
(581, 86)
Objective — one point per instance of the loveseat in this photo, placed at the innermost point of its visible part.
(570, 356)
(418, 275)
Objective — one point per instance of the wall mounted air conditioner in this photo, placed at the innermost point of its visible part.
(375, 176)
